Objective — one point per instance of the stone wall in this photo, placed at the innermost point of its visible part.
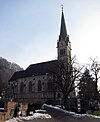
(9, 110)
(23, 108)
(9, 107)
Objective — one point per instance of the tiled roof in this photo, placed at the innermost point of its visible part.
(36, 69)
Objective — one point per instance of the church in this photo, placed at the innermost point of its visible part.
(35, 84)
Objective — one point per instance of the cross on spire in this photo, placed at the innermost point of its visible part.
(62, 7)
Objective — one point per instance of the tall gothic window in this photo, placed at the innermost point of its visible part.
(62, 52)
(39, 85)
(21, 87)
(30, 86)
(50, 84)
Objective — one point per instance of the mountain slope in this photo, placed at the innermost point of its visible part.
(6, 70)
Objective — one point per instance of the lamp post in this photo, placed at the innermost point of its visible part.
(14, 90)
(43, 91)
(24, 91)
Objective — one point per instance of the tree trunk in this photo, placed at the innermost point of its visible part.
(96, 87)
(65, 102)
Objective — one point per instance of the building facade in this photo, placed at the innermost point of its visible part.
(36, 83)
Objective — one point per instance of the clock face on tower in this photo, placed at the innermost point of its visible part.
(62, 43)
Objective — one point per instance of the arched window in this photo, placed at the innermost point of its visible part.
(58, 95)
(62, 52)
(30, 86)
(50, 84)
(21, 87)
(39, 85)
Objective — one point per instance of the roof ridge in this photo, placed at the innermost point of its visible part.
(41, 63)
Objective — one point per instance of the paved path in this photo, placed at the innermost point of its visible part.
(59, 115)
(44, 120)
(63, 120)
(64, 116)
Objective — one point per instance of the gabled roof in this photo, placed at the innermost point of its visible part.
(41, 68)
(36, 69)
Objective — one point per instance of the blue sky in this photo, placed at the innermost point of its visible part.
(29, 29)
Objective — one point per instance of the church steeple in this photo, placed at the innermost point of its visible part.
(63, 44)
(63, 31)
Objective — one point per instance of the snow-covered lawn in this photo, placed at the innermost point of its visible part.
(14, 120)
(35, 116)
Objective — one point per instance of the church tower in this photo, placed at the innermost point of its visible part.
(63, 44)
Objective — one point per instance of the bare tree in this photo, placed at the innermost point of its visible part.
(66, 77)
(95, 69)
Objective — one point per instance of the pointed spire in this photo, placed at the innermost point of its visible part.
(63, 31)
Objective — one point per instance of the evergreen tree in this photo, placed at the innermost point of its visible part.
(87, 90)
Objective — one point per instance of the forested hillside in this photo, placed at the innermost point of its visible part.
(6, 70)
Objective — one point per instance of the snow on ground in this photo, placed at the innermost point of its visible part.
(67, 113)
(46, 116)
(35, 116)
(14, 120)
